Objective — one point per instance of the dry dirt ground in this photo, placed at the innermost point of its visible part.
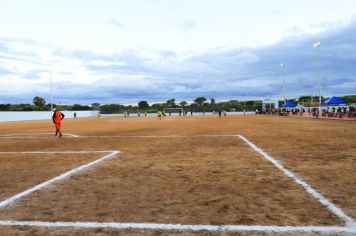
(184, 179)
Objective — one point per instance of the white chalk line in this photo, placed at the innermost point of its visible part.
(23, 134)
(327, 229)
(125, 136)
(72, 135)
(140, 136)
(55, 152)
(34, 135)
(331, 206)
(181, 227)
(158, 136)
(63, 176)
(29, 136)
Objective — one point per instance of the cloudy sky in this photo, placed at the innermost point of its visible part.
(116, 51)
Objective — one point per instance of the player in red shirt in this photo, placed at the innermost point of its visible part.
(57, 119)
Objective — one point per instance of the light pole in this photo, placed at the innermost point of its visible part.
(284, 82)
(317, 46)
(50, 80)
(244, 107)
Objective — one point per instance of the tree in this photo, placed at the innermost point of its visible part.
(157, 106)
(250, 103)
(39, 101)
(4, 107)
(111, 108)
(200, 100)
(212, 101)
(143, 105)
(171, 102)
(183, 103)
(350, 98)
(95, 106)
(78, 107)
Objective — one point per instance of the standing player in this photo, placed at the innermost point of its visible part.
(159, 115)
(57, 119)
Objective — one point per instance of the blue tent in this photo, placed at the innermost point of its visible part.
(334, 101)
(289, 104)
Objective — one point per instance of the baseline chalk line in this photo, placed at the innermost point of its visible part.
(181, 227)
(159, 136)
(72, 135)
(56, 152)
(34, 135)
(65, 175)
(331, 206)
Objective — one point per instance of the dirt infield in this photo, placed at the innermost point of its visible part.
(16, 176)
(208, 180)
(179, 177)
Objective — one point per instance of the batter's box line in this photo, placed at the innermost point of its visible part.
(61, 177)
(34, 135)
(181, 227)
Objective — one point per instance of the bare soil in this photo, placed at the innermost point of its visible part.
(19, 172)
(193, 180)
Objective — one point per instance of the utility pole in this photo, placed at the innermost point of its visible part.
(317, 46)
(284, 82)
(244, 107)
(51, 88)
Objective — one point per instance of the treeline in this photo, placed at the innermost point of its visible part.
(30, 107)
(200, 104)
(39, 104)
(314, 100)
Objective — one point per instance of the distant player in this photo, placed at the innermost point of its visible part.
(225, 113)
(159, 115)
(99, 115)
(57, 119)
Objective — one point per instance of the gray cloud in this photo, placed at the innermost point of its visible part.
(240, 73)
(4, 71)
(116, 23)
(33, 74)
(187, 25)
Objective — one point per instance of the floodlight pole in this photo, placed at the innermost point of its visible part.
(319, 82)
(317, 46)
(244, 107)
(50, 80)
(284, 82)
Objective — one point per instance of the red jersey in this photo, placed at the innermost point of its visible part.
(57, 116)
